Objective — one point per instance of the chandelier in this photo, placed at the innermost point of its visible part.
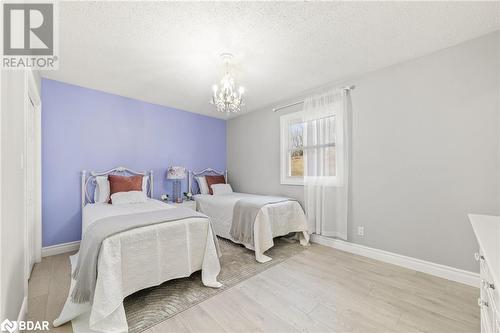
(227, 98)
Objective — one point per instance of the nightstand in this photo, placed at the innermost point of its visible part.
(186, 203)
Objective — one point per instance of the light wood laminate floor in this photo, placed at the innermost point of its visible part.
(319, 290)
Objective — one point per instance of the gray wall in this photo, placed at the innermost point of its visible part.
(12, 207)
(425, 152)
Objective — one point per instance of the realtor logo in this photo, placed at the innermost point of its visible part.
(8, 326)
(29, 31)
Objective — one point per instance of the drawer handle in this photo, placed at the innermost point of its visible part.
(478, 256)
(489, 285)
(482, 303)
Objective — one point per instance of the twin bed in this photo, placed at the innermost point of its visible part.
(158, 242)
(137, 258)
(275, 217)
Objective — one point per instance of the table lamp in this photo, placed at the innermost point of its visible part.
(176, 173)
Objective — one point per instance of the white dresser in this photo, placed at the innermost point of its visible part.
(487, 230)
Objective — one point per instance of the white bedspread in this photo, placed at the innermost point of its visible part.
(138, 259)
(272, 221)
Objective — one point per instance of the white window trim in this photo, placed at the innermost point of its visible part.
(285, 179)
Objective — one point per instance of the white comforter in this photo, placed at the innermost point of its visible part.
(138, 259)
(273, 220)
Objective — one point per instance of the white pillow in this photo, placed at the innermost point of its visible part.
(145, 185)
(202, 184)
(130, 197)
(219, 189)
(101, 191)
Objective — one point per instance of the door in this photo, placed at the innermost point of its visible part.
(30, 183)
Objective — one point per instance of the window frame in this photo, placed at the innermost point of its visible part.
(284, 138)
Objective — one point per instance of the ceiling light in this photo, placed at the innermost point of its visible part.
(226, 97)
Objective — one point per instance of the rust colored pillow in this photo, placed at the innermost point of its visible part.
(124, 184)
(214, 180)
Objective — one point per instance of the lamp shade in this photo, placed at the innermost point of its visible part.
(176, 172)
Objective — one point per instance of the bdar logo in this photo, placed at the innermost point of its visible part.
(9, 326)
(24, 326)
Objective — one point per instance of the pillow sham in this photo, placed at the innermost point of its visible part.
(211, 180)
(220, 189)
(202, 184)
(101, 191)
(124, 184)
(130, 197)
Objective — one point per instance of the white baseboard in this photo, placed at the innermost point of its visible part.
(60, 248)
(442, 271)
(23, 312)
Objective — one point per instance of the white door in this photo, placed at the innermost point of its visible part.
(30, 184)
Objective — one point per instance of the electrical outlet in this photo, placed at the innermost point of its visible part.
(361, 231)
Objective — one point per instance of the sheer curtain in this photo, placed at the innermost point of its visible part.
(326, 163)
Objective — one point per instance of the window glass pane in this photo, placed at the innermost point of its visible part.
(321, 161)
(311, 142)
(296, 135)
(320, 132)
(332, 169)
(327, 129)
(296, 163)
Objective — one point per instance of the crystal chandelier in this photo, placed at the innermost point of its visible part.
(226, 98)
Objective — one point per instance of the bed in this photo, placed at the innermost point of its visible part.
(272, 220)
(176, 248)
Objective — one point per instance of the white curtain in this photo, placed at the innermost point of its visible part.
(326, 163)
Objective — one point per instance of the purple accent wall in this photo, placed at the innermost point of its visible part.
(85, 129)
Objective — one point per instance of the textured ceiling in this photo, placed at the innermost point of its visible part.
(168, 53)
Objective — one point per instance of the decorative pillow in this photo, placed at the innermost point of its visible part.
(202, 184)
(211, 180)
(101, 191)
(219, 189)
(130, 197)
(124, 184)
(145, 185)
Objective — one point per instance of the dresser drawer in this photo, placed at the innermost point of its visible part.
(487, 231)
(488, 284)
(488, 317)
(485, 323)
(489, 299)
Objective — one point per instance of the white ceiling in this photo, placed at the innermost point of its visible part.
(168, 53)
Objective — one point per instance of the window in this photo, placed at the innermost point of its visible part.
(314, 138)
(292, 149)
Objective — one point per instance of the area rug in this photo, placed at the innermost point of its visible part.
(151, 306)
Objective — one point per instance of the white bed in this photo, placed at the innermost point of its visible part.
(273, 220)
(138, 259)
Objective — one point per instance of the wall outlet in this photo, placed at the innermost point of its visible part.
(361, 231)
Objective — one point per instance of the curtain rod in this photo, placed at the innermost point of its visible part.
(348, 88)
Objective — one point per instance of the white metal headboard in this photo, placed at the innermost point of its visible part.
(88, 178)
(205, 172)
